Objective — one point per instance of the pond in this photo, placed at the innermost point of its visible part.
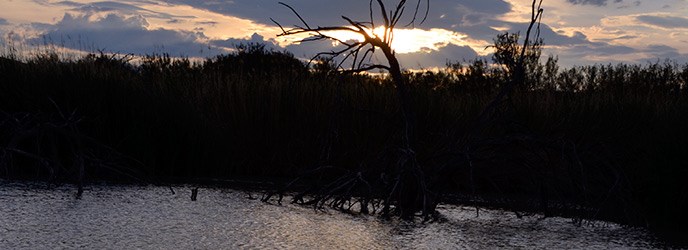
(152, 217)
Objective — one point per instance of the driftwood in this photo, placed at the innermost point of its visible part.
(54, 143)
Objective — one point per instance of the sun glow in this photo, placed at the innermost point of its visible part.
(406, 40)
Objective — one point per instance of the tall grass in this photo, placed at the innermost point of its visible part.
(601, 141)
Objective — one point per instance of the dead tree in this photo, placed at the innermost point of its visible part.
(515, 143)
(361, 52)
(518, 77)
(407, 192)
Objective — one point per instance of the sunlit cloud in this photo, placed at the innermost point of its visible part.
(581, 31)
(411, 40)
(213, 25)
(520, 13)
(24, 12)
(592, 2)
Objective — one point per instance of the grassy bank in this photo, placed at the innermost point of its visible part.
(603, 141)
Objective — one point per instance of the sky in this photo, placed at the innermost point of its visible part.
(579, 32)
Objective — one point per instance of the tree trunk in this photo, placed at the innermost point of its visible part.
(404, 94)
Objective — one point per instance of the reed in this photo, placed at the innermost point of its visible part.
(594, 142)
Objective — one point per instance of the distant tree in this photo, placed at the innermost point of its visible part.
(549, 79)
(518, 59)
(508, 52)
(508, 55)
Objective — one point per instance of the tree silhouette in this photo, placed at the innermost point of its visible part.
(404, 188)
(519, 60)
(407, 190)
(361, 52)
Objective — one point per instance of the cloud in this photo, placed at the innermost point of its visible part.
(317, 12)
(442, 13)
(475, 19)
(605, 53)
(307, 50)
(601, 49)
(211, 23)
(592, 2)
(582, 31)
(657, 53)
(437, 58)
(103, 7)
(664, 21)
(618, 38)
(70, 3)
(116, 33)
(119, 8)
(457, 15)
(551, 37)
(427, 58)
(111, 22)
(232, 43)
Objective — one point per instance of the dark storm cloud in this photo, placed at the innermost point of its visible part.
(115, 33)
(668, 22)
(592, 2)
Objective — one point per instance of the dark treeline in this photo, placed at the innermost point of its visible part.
(600, 142)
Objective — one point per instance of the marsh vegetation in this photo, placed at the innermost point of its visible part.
(590, 142)
(597, 142)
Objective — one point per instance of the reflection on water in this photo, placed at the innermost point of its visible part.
(149, 217)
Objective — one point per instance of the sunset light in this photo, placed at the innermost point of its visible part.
(343, 124)
(625, 30)
(409, 40)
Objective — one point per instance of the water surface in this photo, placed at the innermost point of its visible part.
(150, 217)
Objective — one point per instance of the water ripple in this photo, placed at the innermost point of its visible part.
(149, 217)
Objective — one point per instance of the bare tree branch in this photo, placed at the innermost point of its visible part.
(370, 40)
(366, 68)
(409, 192)
(296, 13)
(519, 74)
